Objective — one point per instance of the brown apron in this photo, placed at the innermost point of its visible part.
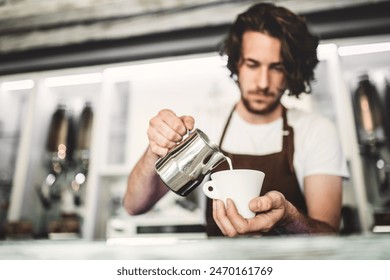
(278, 169)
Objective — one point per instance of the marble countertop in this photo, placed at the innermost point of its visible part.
(367, 247)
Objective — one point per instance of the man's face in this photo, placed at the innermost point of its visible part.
(261, 75)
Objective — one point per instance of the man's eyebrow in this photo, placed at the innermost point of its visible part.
(279, 63)
(276, 63)
(250, 60)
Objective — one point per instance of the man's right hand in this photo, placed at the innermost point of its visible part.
(166, 129)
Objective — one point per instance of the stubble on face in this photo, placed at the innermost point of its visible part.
(270, 105)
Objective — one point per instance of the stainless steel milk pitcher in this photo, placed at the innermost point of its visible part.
(186, 165)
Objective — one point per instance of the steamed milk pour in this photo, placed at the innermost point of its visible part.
(185, 166)
(229, 161)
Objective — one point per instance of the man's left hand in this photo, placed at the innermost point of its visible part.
(271, 210)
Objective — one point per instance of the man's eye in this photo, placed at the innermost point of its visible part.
(251, 65)
(278, 68)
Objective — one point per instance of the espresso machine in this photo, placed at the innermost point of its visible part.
(59, 152)
(372, 123)
(82, 153)
(66, 160)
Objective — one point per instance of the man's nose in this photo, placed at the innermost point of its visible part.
(263, 79)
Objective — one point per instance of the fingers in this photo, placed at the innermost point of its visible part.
(166, 129)
(240, 224)
(221, 219)
(243, 226)
(270, 209)
(229, 221)
(188, 121)
(267, 202)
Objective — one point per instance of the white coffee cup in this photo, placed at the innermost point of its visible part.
(240, 185)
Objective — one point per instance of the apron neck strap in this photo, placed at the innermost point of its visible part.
(226, 125)
(284, 117)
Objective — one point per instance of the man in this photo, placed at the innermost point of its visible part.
(270, 52)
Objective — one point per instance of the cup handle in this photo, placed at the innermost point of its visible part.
(210, 190)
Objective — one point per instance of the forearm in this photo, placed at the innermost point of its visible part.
(295, 222)
(144, 187)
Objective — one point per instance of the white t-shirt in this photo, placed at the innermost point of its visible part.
(317, 149)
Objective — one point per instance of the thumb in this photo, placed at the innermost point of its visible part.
(255, 204)
(188, 121)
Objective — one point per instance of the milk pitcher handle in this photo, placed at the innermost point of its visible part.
(185, 136)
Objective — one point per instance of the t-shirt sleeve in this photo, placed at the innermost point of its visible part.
(323, 150)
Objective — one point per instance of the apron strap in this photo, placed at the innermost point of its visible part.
(288, 140)
(226, 125)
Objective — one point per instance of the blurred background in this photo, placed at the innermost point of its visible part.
(79, 80)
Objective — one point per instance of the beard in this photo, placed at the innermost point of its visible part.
(270, 107)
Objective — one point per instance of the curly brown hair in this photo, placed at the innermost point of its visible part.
(299, 46)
